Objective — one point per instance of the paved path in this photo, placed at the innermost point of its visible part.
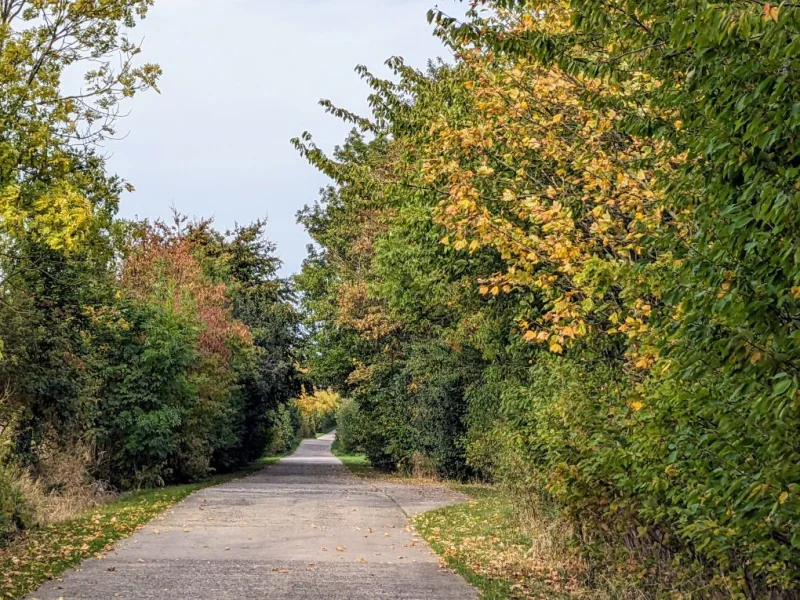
(301, 528)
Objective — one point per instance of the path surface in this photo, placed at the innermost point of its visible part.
(301, 528)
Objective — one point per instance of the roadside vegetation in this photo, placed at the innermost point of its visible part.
(565, 263)
(47, 551)
(508, 549)
(133, 354)
(317, 411)
(568, 263)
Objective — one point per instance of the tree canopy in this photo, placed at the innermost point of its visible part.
(568, 262)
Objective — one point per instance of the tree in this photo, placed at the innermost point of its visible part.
(44, 127)
(576, 248)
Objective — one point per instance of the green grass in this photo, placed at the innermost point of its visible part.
(441, 530)
(45, 552)
(484, 541)
(450, 530)
(357, 463)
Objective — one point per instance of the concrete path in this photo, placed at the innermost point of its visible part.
(301, 528)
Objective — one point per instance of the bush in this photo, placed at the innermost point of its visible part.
(284, 430)
(15, 513)
(349, 429)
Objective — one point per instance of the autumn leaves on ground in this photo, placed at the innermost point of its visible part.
(561, 267)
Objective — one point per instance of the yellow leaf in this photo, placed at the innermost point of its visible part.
(445, 240)
(483, 290)
(556, 348)
(783, 497)
(770, 12)
(557, 118)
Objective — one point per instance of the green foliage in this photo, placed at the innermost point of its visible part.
(662, 411)
(286, 422)
(349, 429)
(147, 395)
(15, 514)
(161, 380)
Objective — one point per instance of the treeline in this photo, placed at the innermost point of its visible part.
(132, 353)
(569, 262)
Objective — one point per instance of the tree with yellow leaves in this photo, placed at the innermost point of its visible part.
(588, 258)
(317, 410)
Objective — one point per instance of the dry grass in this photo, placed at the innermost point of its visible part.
(422, 468)
(510, 552)
(61, 487)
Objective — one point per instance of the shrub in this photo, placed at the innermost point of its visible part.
(349, 429)
(15, 512)
(284, 430)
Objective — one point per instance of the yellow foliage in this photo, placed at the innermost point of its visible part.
(315, 407)
(58, 218)
(571, 194)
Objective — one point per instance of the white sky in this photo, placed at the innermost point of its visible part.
(242, 77)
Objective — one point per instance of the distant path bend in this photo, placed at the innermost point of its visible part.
(303, 528)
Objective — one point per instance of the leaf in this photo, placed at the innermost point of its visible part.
(781, 386)
(770, 12)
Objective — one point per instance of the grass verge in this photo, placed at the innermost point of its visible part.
(484, 541)
(480, 539)
(359, 465)
(509, 553)
(45, 552)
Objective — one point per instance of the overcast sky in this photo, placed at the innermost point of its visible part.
(241, 78)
